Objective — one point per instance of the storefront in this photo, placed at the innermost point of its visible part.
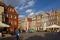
(3, 27)
(53, 28)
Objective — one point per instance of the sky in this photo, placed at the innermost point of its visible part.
(26, 8)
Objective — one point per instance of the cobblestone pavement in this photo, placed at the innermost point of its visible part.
(40, 36)
(36, 36)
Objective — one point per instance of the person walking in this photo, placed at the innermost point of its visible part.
(17, 34)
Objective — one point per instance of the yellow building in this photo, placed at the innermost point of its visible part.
(21, 24)
(1, 10)
(58, 17)
(36, 21)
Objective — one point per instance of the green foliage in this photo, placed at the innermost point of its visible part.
(20, 27)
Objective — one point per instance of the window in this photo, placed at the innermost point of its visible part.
(7, 15)
(14, 16)
(11, 23)
(11, 16)
(51, 23)
(12, 10)
(14, 22)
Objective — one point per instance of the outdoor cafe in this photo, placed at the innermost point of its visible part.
(3, 28)
(53, 28)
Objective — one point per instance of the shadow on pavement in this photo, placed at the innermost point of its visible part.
(35, 38)
(8, 38)
(47, 36)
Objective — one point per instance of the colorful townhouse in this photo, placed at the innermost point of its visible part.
(10, 17)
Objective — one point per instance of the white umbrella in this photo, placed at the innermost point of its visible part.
(53, 26)
(3, 25)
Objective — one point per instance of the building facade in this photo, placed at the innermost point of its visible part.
(10, 17)
(28, 23)
(52, 17)
(21, 25)
(34, 22)
(44, 21)
(1, 12)
(58, 17)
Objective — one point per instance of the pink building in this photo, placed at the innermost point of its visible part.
(28, 22)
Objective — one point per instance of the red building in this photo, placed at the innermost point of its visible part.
(10, 17)
(0, 3)
(29, 20)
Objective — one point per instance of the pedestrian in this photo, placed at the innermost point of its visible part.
(17, 34)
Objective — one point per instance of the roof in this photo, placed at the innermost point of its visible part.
(29, 19)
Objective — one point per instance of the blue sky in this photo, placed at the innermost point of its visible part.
(29, 7)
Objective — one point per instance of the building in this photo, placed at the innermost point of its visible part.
(34, 22)
(1, 12)
(28, 23)
(10, 17)
(21, 25)
(29, 20)
(44, 21)
(38, 21)
(0, 2)
(3, 26)
(52, 17)
(58, 17)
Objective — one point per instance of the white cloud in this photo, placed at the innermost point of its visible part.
(29, 11)
(21, 3)
(22, 17)
(29, 4)
(16, 7)
(31, 15)
(39, 12)
(14, 2)
(21, 8)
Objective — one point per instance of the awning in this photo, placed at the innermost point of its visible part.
(53, 26)
(3, 25)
